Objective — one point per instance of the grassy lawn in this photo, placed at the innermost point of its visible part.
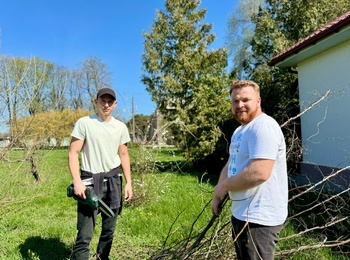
(38, 220)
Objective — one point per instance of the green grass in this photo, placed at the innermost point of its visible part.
(38, 220)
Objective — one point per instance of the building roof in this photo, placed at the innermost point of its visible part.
(328, 36)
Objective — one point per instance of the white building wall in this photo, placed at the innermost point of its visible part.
(326, 128)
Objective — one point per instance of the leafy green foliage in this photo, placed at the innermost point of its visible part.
(45, 127)
(278, 25)
(188, 82)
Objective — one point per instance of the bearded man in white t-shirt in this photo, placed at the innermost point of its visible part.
(102, 141)
(255, 176)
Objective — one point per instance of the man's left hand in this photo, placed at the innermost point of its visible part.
(127, 192)
(220, 191)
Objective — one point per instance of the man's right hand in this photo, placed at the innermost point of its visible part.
(215, 205)
(79, 189)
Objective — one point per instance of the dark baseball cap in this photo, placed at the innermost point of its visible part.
(106, 91)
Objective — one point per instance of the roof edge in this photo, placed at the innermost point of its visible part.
(312, 39)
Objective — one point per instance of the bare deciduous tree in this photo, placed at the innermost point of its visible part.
(33, 88)
(94, 76)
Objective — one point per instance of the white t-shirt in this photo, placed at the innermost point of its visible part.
(102, 141)
(266, 204)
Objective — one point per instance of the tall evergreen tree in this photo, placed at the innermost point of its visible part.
(188, 82)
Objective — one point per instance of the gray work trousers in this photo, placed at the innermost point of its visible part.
(254, 241)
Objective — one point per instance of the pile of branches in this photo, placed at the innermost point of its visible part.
(318, 218)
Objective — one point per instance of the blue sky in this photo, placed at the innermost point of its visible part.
(66, 32)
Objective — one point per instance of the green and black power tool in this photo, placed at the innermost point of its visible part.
(91, 200)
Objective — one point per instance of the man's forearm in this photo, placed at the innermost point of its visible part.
(74, 168)
(73, 162)
(223, 173)
(126, 169)
(73, 158)
(125, 162)
(252, 176)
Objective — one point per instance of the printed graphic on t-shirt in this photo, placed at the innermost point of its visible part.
(234, 150)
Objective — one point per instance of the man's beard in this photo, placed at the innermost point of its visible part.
(246, 116)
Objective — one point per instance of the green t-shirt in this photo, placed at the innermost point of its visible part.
(101, 142)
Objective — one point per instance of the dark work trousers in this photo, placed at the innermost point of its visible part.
(255, 242)
(86, 224)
